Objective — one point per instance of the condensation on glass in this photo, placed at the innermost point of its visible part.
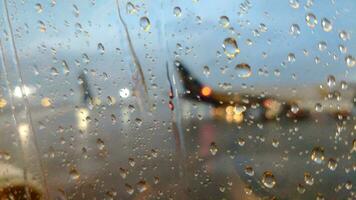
(145, 99)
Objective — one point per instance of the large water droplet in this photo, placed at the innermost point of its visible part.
(230, 47)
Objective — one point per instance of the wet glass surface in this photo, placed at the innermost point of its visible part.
(148, 99)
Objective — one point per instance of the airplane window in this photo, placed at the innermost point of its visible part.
(194, 99)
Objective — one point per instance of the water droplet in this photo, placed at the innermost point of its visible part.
(268, 179)
(224, 21)
(3, 102)
(74, 174)
(38, 7)
(311, 20)
(326, 25)
(275, 143)
(142, 186)
(322, 46)
(100, 144)
(342, 48)
(294, 108)
(332, 164)
(213, 148)
(54, 71)
(291, 57)
(249, 171)
(243, 70)
(4, 155)
(129, 189)
(300, 188)
(344, 35)
(75, 10)
(318, 107)
(177, 11)
(294, 4)
(294, 30)
(348, 185)
(65, 67)
(46, 102)
(145, 24)
(317, 155)
(206, 70)
(331, 81)
(241, 141)
(123, 172)
(42, 26)
(230, 47)
(308, 179)
(248, 190)
(101, 48)
(132, 162)
(350, 61)
(130, 8)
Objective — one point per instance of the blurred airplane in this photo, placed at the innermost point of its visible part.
(235, 106)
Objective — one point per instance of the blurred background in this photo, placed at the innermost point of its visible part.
(194, 99)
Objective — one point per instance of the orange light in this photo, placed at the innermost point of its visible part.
(206, 91)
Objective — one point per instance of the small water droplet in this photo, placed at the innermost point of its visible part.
(243, 70)
(130, 8)
(344, 35)
(42, 26)
(230, 47)
(206, 70)
(129, 189)
(100, 144)
(326, 25)
(177, 11)
(132, 162)
(332, 164)
(331, 81)
(268, 179)
(318, 107)
(249, 171)
(317, 155)
(224, 21)
(142, 186)
(322, 46)
(300, 188)
(145, 24)
(294, 30)
(294, 4)
(38, 7)
(311, 20)
(308, 179)
(101, 48)
(213, 148)
(74, 174)
(350, 61)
